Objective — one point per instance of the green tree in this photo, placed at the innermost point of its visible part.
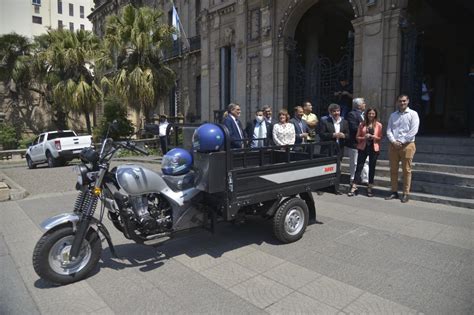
(8, 139)
(133, 65)
(15, 51)
(114, 110)
(69, 58)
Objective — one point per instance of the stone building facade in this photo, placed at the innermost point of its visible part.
(258, 52)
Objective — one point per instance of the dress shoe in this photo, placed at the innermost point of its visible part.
(405, 198)
(393, 195)
(337, 192)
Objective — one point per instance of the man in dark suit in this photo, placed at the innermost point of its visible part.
(234, 126)
(336, 129)
(354, 118)
(259, 129)
(267, 113)
(301, 128)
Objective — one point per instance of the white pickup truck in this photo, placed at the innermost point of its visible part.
(56, 148)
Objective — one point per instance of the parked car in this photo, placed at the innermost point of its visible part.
(56, 148)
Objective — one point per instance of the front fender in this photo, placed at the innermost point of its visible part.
(60, 219)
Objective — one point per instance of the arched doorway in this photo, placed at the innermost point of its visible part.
(437, 50)
(321, 55)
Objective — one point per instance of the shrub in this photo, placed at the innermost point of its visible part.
(8, 138)
(114, 110)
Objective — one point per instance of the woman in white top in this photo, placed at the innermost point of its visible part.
(283, 131)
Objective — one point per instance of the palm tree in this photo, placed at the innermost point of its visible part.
(14, 52)
(132, 62)
(69, 59)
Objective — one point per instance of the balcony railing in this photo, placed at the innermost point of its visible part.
(177, 48)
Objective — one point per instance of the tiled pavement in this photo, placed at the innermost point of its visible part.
(370, 257)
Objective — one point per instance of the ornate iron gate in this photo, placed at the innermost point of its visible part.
(318, 80)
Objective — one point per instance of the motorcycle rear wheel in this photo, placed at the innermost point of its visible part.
(51, 256)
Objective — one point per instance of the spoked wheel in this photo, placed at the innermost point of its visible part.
(52, 262)
(290, 220)
(30, 163)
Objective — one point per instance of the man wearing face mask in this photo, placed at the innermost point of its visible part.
(259, 130)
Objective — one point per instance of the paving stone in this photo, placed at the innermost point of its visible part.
(421, 229)
(372, 304)
(22, 252)
(198, 261)
(3, 246)
(228, 274)
(297, 303)
(261, 291)
(332, 292)
(423, 299)
(78, 297)
(291, 275)
(456, 236)
(14, 296)
(127, 291)
(259, 261)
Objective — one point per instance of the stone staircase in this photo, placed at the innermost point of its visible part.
(443, 171)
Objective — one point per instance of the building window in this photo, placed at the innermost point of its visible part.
(174, 100)
(71, 26)
(37, 9)
(227, 76)
(37, 19)
(36, 2)
(81, 11)
(60, 7)
(82, 27)
(71, 9)
(60, 25)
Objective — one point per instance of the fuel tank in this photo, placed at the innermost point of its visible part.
(138, 180)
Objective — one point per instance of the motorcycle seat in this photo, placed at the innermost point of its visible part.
(180, 182)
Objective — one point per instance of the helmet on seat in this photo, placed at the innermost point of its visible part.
(176, 162)
(208, 138)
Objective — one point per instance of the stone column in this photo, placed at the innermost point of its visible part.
(267, 56)
(369, 41)
(240, 40)
(206, 113)
(391, 62)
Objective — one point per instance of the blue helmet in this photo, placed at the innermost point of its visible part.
(208, 137)
(176, 162)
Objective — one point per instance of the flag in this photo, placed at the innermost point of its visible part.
(176, 22)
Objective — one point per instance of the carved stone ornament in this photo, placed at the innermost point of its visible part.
(228, 36)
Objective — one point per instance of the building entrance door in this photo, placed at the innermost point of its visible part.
(437, 52)
(321, 56)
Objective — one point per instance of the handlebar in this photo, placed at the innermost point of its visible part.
(132, 146)
(139, 150)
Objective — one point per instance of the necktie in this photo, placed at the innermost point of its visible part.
(239, 124)
(260, 135)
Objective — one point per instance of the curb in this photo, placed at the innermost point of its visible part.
(16, 191)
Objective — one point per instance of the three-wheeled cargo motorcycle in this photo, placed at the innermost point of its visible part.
(223, 185)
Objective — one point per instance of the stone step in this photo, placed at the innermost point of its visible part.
(429, 167)
(438, 158)
(382, 192)
(426, 176)
(437, 189)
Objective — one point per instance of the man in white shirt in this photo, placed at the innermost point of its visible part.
(163, 125)
(402, 128)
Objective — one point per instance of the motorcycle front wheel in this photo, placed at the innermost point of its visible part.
(51, 259)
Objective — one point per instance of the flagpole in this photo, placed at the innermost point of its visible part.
(180, 25)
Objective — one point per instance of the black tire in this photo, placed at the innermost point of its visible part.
(47, 258)
(30, 163)
(290, 220)
(52, 162)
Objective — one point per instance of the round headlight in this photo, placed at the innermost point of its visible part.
(81, 172)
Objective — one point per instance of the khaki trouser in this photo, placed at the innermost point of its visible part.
(405, 155)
